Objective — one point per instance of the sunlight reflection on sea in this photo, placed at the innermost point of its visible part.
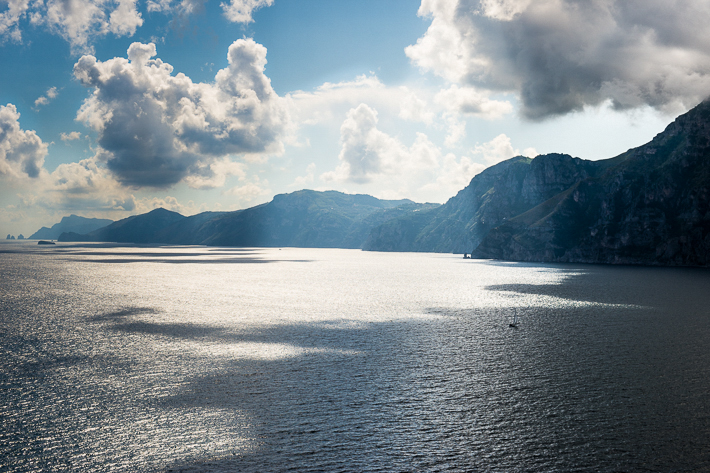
(218, 359)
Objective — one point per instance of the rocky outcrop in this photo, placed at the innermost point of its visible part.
(652, 207)
(72, 223)
(497, 194)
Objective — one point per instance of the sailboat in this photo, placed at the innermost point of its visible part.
(514, 323)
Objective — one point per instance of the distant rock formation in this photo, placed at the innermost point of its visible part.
(72, 223)
(20, 236)
(10, 237)
(304, 218)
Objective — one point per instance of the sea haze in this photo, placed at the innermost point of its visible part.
(122, 359)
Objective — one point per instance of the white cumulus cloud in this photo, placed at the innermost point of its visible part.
(414, 108)
(84, 185)
(240, 11)
(371, 157)
(10, 19)
(80, 22)
(328, 101)
(71, 136)
(367, 151)
(156, 129)
(470, 101)
(22, 152)
(307, 179)
(47, 97)
(499, 149)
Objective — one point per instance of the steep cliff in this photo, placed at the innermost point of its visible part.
(651, 207)
(497, 194)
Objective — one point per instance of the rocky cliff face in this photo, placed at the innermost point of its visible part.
(651, 207)
(499, 193)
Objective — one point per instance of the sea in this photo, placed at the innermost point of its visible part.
(205, 359)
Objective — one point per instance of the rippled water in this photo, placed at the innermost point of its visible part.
(193, 359)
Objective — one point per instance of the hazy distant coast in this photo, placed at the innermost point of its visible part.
(650, 206)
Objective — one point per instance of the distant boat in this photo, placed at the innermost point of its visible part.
(514, 323)
(45, 242)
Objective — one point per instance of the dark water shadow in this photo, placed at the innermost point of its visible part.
(197, 255)
(306, 336)
(122, 313)
(559, 395)
(156, 254)
(117, 321)
(301, 336)
(68, 246)
(574, 388)
(176, 330)
(94, 249)
(640, 286)
(308, 412)
(185, 261)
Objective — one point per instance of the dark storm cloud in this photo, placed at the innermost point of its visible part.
(560, 55)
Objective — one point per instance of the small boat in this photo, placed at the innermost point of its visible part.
(45, 242)
(514, 323)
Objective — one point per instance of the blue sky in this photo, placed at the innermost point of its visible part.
(112, 108)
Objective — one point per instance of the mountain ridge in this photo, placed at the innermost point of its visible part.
(71, 223)
(652, 208)
(303, 218)
(649, 205)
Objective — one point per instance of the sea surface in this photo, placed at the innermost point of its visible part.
(156, 359)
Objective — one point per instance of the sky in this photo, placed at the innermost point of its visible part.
(110, 108)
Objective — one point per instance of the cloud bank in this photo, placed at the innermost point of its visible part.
(156, 129)
(367, 151)
(559, 56)
(22, 152)
(381, 164)
(240, 11)
(77, 21)
(81, 22)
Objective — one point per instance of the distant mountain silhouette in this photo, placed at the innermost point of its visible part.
(72, 223)
(135, 229)
(301, 219)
